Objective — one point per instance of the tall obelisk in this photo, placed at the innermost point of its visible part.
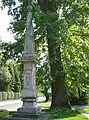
(28, 58)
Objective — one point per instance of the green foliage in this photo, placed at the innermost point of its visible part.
(10, 77)
(61, 114)
(3, 113)
(10, 70)
(5, 76)
(86, 110)
(43, 76)
(17, 85)
(75, 57)
(43, 79)
(15, 71)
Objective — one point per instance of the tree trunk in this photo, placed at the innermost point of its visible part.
(59, 98)
(79, 93)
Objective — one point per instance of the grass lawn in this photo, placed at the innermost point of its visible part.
(86, 110)
(66, 114)
(44, 105)
(62, 114)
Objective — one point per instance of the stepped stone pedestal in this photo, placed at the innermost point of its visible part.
(29, 87)
(20, 116)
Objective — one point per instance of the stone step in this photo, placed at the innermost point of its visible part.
(42, 116)
(24, 115)
(14, 118)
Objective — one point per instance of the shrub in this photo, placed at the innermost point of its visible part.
(3, 113)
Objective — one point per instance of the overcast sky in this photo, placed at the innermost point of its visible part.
(5, 35)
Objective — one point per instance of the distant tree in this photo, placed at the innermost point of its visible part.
(11, 69)
(5, 76)
(15, 71)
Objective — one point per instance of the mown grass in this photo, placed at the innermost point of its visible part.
(65, 114)
(44, 105)
(86, 110)
(62, 114)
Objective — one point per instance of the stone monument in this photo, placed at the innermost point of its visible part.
(28, 58)
(29, 108)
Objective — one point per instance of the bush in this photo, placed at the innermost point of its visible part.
(78, 101)
(3, 113)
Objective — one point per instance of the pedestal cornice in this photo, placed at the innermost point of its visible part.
(28, 58)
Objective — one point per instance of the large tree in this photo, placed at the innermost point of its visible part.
(59, 96)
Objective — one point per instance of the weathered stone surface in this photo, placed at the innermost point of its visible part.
(42, 116)
(25, 115)
(15, 118)
(29, 110)
(28, 58)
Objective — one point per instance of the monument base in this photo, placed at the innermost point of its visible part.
(33, 111)
(29, 106)
(24, 116)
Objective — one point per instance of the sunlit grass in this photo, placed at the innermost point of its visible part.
(65, 114)
(62, 114)
(86, 110)
(44, 105)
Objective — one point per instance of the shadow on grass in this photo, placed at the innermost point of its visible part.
(62, 113)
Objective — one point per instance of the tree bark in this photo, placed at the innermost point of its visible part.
(59, 97)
